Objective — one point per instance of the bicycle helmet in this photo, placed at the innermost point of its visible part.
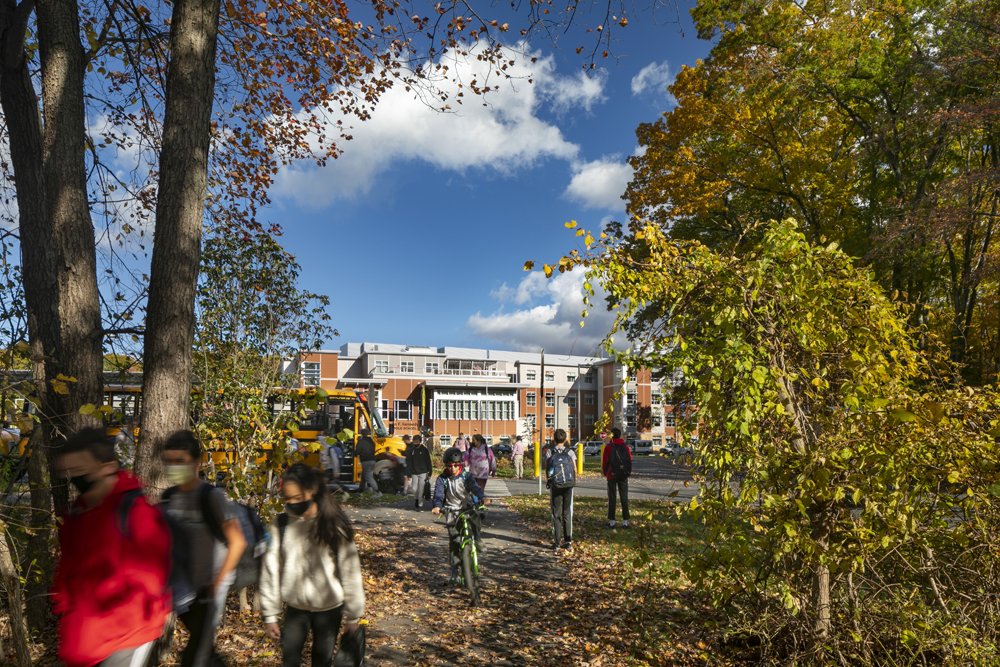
(453, 455)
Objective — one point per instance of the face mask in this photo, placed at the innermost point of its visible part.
(178, 474)
(298, 509)
(82, 483)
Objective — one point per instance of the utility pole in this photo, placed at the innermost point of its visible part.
(541, 420)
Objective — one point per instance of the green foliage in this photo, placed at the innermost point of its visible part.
(871, 124)
(828, 448)
(251, 317)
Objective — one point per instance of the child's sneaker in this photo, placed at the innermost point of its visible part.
(567, 546)
(611, 525)
(624, 524)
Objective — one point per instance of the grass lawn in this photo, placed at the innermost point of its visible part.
(505, 468)
(664, 621)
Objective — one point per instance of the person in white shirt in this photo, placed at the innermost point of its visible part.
(312, 566)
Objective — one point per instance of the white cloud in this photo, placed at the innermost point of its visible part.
(655, 77)
(600, 184)
(502, 132)
(553, 325)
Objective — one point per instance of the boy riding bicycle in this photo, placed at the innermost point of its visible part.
(455, 491)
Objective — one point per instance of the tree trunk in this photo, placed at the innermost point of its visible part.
(177, 241)
(77, 315)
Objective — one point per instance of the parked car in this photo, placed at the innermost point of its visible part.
(675, 449)
(592, 447)
(642, 447)
(502, 450)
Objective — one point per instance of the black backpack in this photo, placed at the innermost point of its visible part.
(561, 470)
(621, 462)
(249, 566)
(179, 581)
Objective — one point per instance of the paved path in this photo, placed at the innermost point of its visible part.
(415, 616)
(653, 478)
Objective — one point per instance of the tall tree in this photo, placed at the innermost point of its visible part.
(180, 211)
(869, 124)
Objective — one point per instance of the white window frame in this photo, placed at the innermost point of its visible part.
(589, 399)
(381, 366)
(530, 399)
(311, 373)
(407, 367)
(530, 376)
(550, 399)
(550, 421)
(550, 376)
(432, 367)
(407, 406)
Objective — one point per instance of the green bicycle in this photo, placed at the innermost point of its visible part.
(466, 542)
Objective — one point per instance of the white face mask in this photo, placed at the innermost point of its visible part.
(179, 474)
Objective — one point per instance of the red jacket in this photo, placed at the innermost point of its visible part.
(606, 458)
(110, 588)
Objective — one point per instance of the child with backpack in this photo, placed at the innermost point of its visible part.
(617, 466)
(455, 490)
(560, 475)
(312, 566)
(215, 539)
(110, 588)
(480, 461)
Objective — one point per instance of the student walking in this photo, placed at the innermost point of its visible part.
(312, 566)
(418, 467)
(481, 461)
(560, 473)
(205, 514)
(617, 467)
(517, 453)
(110, 588)
(366, 454)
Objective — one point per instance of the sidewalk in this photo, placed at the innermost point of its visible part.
(416, 617)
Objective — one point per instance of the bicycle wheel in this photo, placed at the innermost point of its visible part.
(469, 571)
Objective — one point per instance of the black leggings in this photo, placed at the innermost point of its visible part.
(325, 627)
(621, 486)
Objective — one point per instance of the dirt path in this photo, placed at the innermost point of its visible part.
(416, 617)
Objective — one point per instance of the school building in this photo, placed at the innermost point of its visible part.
(497, 393)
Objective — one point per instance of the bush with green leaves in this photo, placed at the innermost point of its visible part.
(848, 486)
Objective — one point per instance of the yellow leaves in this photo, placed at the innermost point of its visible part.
(547, 270)
(60, 384)
(529, 265)
(570, 225)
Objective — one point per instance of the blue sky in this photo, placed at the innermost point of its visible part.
(432, 215)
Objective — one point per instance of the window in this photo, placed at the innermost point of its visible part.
(572, 422)
(571, 401)
(657, 420)
(550, 376)
(589, 377)
(656, 398)
(588, 399)
(631, 398)
(310, 373)
(432, 367)
(570, 377)
(550, 421)
(671, 420)
(406, 367)
(550, 399)
(529, 376)
(444, 441)
(381, 365)
(530, 399)
(403, 409)
(657, 442)
(384, 409)
(588, 420)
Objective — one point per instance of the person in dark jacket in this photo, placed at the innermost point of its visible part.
(366, 454)
(616, 464)
(110, 588)
(418, 467)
